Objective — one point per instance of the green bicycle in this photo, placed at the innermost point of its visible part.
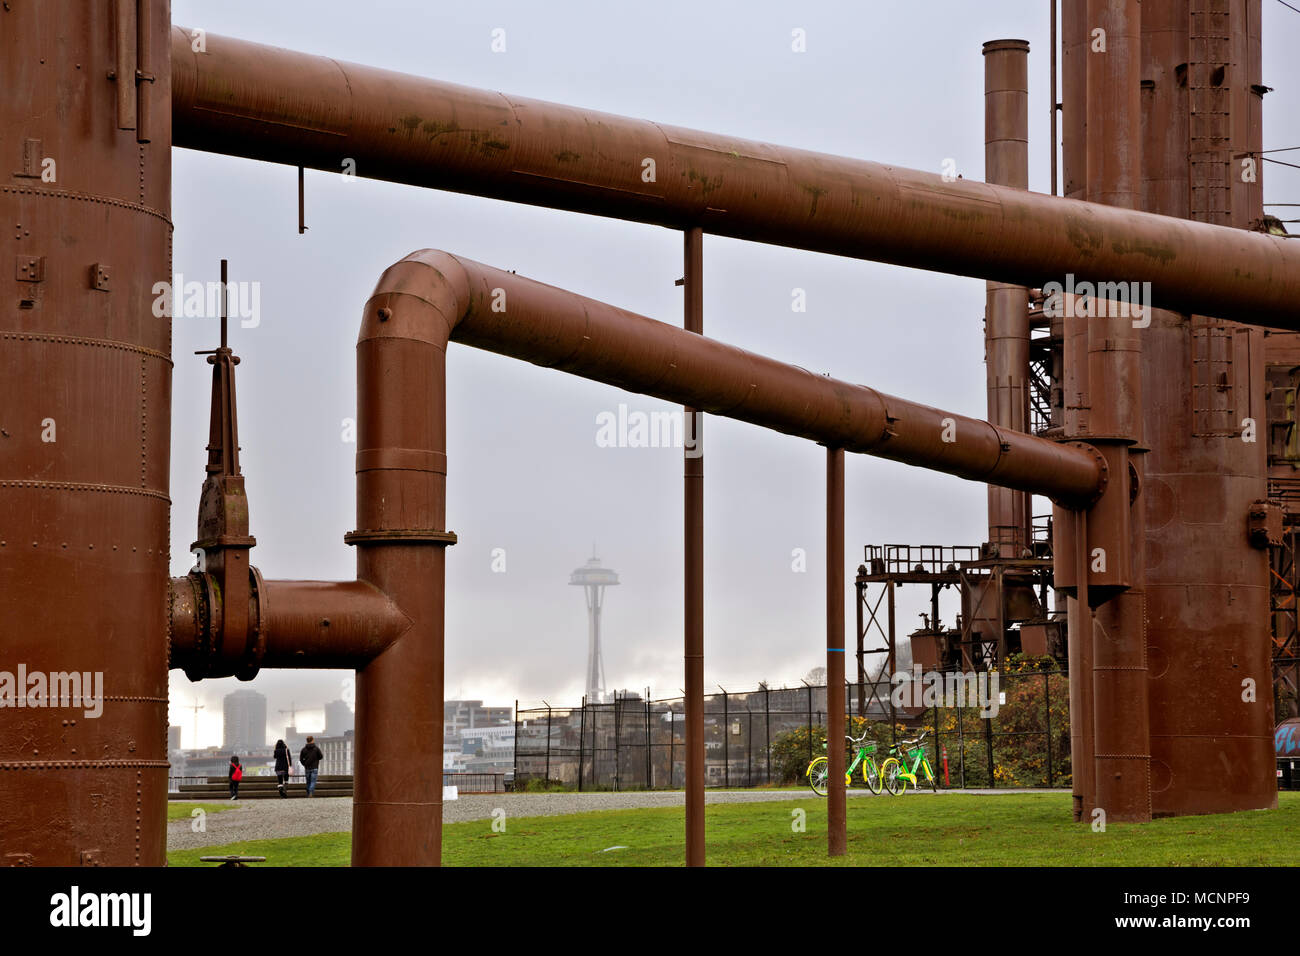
(894, 770)
(819, 770)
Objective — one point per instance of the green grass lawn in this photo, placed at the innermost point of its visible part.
(955, 830)
(183, 811)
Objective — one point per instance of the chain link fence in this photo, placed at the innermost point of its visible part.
(766, 737)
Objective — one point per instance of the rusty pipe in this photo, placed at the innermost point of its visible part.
(556, 329)
(836, 808)
(260, 102)
(693, 564)
(300, 624)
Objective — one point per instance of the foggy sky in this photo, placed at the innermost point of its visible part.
(900, 83)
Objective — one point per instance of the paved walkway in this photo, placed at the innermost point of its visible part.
(270, 819)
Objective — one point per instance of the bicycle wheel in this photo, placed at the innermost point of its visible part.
(819, 772)
(871, 777)
(891, 771)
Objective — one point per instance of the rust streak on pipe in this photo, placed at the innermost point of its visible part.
(264, 103)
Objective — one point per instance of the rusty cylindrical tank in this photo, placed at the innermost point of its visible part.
(85, 387)
(1006, 317)
(1207, 588)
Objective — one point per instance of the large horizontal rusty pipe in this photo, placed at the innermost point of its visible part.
(296, 624)
(261, 102)
(557, 329)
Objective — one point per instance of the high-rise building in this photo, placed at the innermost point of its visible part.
(173, 739)
(339, 718)
(243, 722)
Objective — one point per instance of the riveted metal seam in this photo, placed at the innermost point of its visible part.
(78, 340)
(99, 200)
(83, 486)
(84, 764)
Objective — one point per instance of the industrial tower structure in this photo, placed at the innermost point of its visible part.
(593, 579)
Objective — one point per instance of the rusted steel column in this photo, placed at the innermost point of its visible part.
(1121, 741)
(836, 810)
(693, 512)
(401, 542)
(1207, 590)
(265, 103)
(1069, 528)
(85, 432)
(1006, 316)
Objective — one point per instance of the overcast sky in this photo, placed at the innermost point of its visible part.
(893, 82)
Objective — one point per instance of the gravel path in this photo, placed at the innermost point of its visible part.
(269, 819)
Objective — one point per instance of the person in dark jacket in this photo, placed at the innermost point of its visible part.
(235, 774)
(310, 758)
(283, 764)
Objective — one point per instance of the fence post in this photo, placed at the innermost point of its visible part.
(767, 735)
(515, 759)
(1047, 702)
(618, 733)
(672, 744)
(649, 753)
(548, 744)
(988, 740)
(810, 723)
(961, 739)
(934, 765)
(749, 746)
(726, 744)
(582, 743)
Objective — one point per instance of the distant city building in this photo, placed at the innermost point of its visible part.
(173, 739)
(487, 749)
(243, 722)
(337, 753)
(339, 719)
(294, 739)
(461, 714)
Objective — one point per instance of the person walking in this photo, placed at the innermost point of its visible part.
(310, 758)
(236, 774)
(283, 765)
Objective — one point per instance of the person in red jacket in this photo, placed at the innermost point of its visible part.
(236, 774)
